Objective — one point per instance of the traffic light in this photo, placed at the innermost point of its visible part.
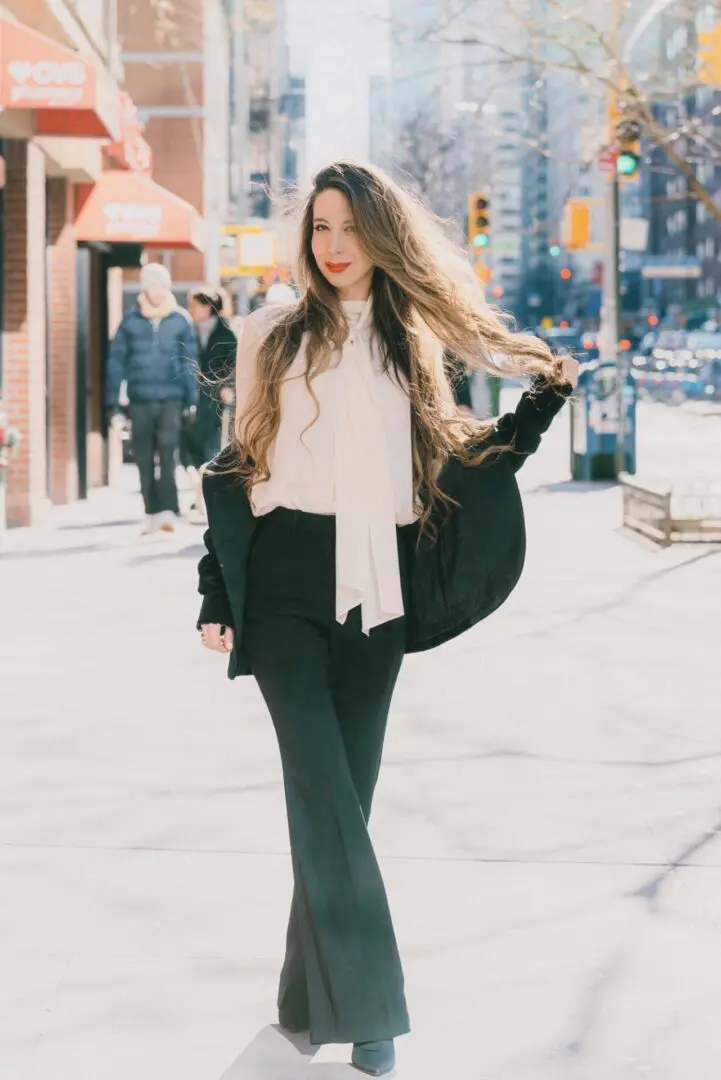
(625, 129)
(554, 251)
(479, 220)
(709, 56)
(566, 273)
(628, 162)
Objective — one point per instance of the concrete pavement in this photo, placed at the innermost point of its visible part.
(548, 817)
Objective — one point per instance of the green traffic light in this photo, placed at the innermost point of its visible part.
(554, 251)
(480, 241)
(627, 163)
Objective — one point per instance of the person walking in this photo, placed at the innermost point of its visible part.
(209, 309)
(155, 352)
(373, 519)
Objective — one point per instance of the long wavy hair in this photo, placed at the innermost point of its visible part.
(427, 301)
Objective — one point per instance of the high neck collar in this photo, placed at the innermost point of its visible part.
(360, 313)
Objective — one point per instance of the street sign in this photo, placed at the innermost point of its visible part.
(669, 266)
(507, 245)
(256, 250)
(607, 157)
(634, 233)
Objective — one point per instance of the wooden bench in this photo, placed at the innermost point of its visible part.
(667, 514)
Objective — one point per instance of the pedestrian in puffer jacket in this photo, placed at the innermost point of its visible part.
(155, 352)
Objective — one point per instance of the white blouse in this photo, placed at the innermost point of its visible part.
(355, 461)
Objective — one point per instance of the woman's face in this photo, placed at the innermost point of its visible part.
(337, 249)
(198, 311)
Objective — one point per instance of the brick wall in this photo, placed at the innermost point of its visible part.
(24, 340)
(63, 333)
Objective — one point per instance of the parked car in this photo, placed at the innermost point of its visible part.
(678, 367)
(562, 339)
(590, 346)
(704, 349)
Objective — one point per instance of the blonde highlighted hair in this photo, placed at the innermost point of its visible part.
(427, 300)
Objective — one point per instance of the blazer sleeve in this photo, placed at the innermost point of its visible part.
(215, 607)
(522, 429)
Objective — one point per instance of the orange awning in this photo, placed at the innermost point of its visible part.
(64, 90)
(129, 208)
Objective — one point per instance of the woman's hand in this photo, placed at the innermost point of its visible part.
(570, 368)
(217, 638)
(226, 395)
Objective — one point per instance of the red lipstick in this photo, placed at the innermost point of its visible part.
(337, 268)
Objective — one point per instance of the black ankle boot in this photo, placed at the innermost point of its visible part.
(374, 1058)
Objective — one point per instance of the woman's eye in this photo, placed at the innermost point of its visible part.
(319, 228)
(350, 228)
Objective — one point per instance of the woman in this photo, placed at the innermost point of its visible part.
(344, 546)
(209, 309)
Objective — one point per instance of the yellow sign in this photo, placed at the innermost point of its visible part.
(240, 230)
(242, 271)
(709, 56)
(256, 250)
(577, 224)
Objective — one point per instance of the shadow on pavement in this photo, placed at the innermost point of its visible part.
(651, 889)
(628, 596)
(273, 1055)
(193, 551)
(84, 526)
(53, 553)
(575, 487)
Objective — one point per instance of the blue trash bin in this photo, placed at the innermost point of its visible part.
(595, 421)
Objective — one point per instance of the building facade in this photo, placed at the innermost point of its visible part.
(683, 228)
(77, 206)
(178, 63)
(60, 107)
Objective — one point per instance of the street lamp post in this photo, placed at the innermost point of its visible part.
(611, 310)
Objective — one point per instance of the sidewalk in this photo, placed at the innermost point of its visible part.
(547, 817)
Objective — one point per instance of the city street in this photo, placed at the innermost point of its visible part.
(547, 817)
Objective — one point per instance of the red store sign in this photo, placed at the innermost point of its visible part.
(64, 90)
(132, 151)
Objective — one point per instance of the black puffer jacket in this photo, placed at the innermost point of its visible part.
(158, 359)
(455, 581)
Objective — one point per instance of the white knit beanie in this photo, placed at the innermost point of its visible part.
(155, 274)
(280, 293)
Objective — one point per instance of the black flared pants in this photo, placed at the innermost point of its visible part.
(328, 688)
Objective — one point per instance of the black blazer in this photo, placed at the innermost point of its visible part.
(217, 359)
(455, 581)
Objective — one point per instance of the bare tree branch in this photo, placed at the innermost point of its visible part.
(571, 41)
